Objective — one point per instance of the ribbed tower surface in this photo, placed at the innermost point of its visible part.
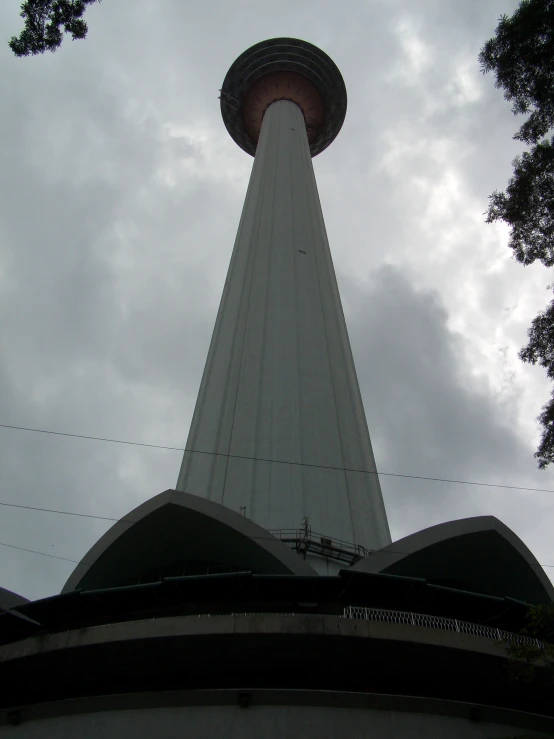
(279, 431)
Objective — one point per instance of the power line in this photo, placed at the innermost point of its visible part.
(92, 438)
(34, 551)
(62, 513)
(276, 461)
(124, 520)
(75, 561)
(127, 520)
(234, 456)
(371, 472)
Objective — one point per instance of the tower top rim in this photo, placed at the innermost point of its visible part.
(275, 58)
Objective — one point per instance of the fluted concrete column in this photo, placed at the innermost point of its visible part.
(279, 428)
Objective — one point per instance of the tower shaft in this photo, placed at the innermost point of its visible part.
(279, 429)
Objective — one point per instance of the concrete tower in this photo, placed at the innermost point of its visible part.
(279, 430)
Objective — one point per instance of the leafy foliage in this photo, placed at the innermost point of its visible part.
(541, 349)
(44, 20)
(535, 662)
(521, 54)
(528, 205)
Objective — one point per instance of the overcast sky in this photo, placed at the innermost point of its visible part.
(121, 194)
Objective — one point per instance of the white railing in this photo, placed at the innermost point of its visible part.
(410, 619)
(438, 622)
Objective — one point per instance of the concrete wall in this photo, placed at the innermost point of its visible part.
(279, 722)
(319, 656)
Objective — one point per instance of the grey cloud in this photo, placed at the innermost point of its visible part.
(429, 416)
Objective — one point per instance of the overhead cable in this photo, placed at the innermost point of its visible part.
(277, 461)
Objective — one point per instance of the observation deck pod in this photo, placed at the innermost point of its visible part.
(283, 69)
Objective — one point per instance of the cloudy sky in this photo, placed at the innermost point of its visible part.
(120, 197)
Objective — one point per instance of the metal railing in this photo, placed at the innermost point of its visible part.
(305, 540)
(438, 622)
(411, 619)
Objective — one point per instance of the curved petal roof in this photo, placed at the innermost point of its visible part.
(177, 527)
(479, 554)
(10, 600)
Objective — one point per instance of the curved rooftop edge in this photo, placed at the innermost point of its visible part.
(9, 600)
(177, 527)
(284, 55)
(479, 554)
